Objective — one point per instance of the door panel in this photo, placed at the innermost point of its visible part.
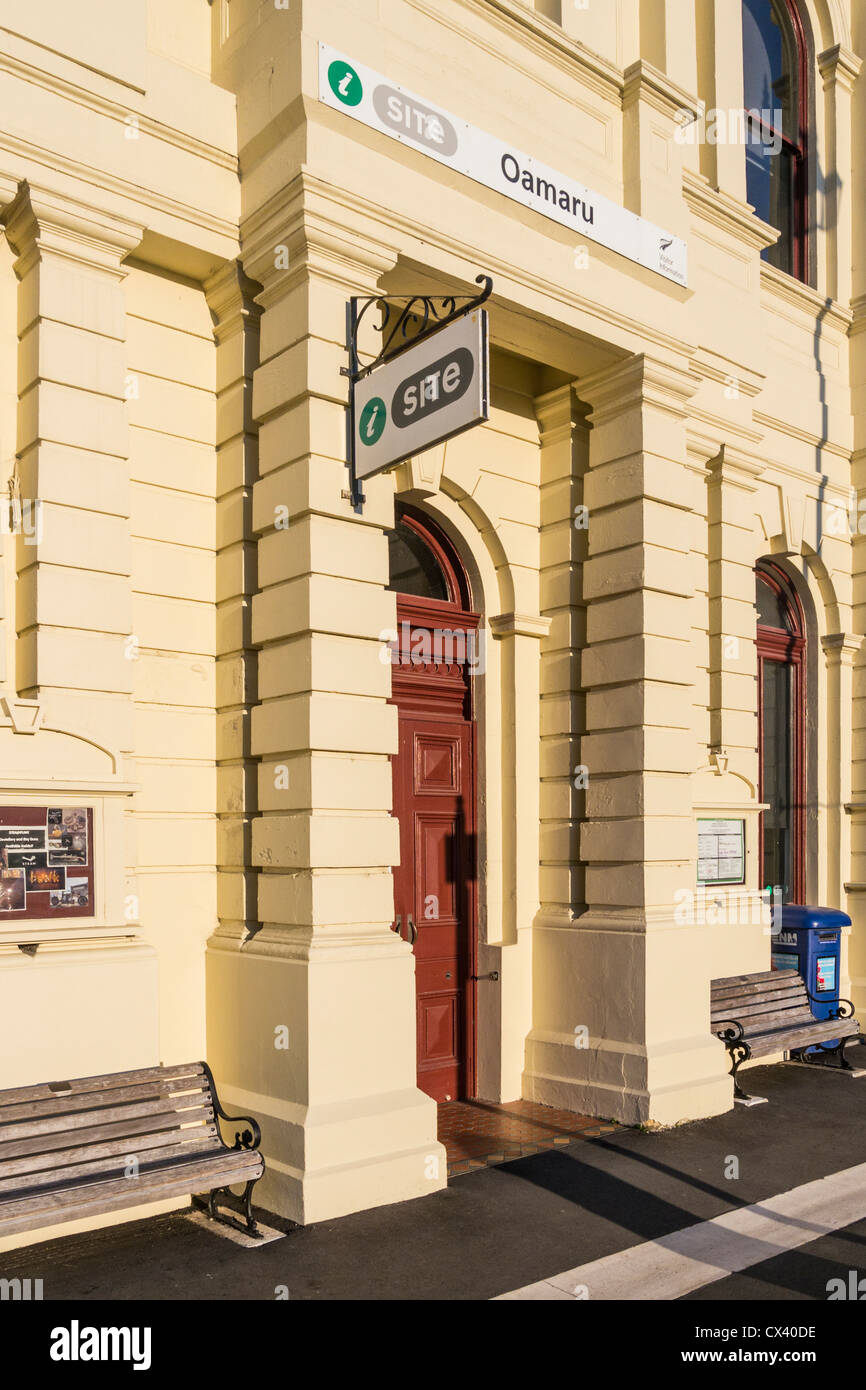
(437, 763)
(434, 885)
(436, 870)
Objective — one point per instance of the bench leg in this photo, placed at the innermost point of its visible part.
(252, 1226)
(740, 1053)
(831, 1058)
(738, 1056)
(246, 1199)
(841, 1061)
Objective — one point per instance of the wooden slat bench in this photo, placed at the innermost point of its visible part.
(756, 1015)
(70, 1149)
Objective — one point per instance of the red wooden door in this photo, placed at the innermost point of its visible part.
(434, 884)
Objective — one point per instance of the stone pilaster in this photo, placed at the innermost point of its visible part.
(839, 69)
(727, 786)
(624, 1030)
(74, 619)
(653, 112)
(83, 999)
(668, 40)
(345, 1126)
(612, 31)
(564, 441)
(236, 331)
(519, 636)
(720, 79)
(840, 649)
(731, 487)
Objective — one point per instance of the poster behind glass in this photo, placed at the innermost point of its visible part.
(46, 862)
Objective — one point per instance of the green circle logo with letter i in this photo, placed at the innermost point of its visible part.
(345, 83)
(374, 418)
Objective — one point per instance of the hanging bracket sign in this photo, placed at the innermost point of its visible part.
(429, 392)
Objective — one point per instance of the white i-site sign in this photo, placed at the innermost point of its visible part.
(428, 393)
(366, 96)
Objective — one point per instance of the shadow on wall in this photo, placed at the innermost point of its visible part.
(827, 190)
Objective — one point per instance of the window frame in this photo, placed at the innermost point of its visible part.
(788, 649)
(799, 149)
(437, 543)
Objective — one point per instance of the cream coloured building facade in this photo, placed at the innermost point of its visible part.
(195, 614)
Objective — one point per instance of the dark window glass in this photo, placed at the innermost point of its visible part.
(782, 721)
(770, 64)
(773, 609)
(774, 150)
(770, 188)
(413, 569)
(777, 765)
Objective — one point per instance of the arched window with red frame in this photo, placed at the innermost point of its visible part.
(776, 101)
(781, 643)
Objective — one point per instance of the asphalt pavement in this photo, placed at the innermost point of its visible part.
(501, 1228)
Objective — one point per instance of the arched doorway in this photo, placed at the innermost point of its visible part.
(434, 777)
(781, 642)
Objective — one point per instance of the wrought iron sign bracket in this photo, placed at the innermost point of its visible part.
(406, 321)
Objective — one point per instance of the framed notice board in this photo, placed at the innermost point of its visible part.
(721, 851)
(46, 862)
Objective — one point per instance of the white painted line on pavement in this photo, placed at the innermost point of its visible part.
(687, 1259)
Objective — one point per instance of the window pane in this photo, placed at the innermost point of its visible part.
(770, 189)
(770, 65)
(777, 764)
(413, 569)
(772, 608)
(770, 93)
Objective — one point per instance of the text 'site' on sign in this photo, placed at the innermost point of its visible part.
(385, 106)
(428, 393)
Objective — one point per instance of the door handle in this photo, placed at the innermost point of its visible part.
(398, 923)
(412, 929)
(491, 975)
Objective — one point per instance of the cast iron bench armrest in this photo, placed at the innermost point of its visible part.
(731, 1031)
(844, 1008)
(244, 1139)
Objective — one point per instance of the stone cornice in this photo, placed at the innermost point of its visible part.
(839, 66)
(230, 295)
(722, 427)
(117, 111)
(701, 447)
(558, 412)
(804, 298)
(39, 220)
(643, 82)
(395, 225)
(735, 468)
(727, 213)
(815, 441)
(314, 242)
(638, 380)
(519, 625)
(112, 184)
(858, 315)
(844, 646)
(706, 363)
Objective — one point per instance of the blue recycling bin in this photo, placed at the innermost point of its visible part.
(810, 941)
